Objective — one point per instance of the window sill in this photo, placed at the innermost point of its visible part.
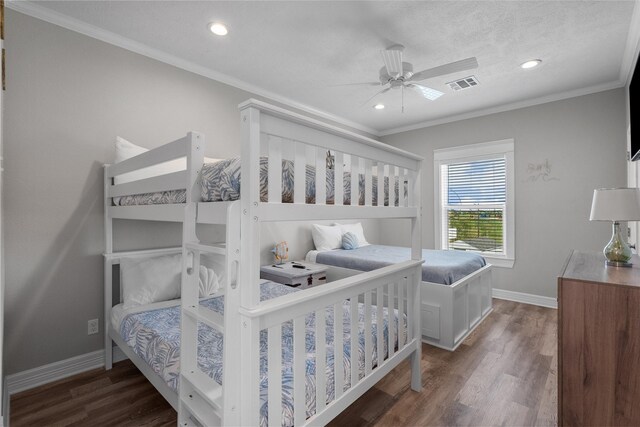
(499, 262)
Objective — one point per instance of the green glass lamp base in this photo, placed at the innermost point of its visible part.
(618, 264)
(617, 252)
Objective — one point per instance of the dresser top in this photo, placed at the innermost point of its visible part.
(590, 267)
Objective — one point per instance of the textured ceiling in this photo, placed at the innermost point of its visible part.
(300, 49)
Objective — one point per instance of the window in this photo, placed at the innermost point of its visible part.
(474, 194)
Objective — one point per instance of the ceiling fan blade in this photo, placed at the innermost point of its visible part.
(359, 84)
(427, 92)
(392, 58)
(377, 93)
(452, 67)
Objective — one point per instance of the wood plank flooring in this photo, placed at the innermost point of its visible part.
(503, 374)
(121, 396)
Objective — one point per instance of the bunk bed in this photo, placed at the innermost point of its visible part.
(456, 287)
(282, 366)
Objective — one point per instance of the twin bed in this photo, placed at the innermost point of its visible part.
(456, 287)
(257, 352)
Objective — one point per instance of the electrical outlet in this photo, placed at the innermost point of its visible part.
(92, 327)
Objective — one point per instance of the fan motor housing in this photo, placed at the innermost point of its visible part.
(407, 72)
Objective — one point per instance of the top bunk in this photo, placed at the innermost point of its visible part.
(291, 163)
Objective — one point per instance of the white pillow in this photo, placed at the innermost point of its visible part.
(355, 229)
(326, 237)
(125, 150)
(149, 280)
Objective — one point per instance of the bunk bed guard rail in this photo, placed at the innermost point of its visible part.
(280, 136)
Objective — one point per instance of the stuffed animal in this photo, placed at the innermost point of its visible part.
(280, 252)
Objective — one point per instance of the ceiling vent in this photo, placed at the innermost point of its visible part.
(465, 83)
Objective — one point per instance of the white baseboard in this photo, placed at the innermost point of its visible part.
(35, 377)
(525, 298)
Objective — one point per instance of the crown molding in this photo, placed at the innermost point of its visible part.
(40, 12)
(45, 14)
(506, 107)
(631, 48)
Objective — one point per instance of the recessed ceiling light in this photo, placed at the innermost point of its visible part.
(530, 64)
(379, 106)
(218, 29)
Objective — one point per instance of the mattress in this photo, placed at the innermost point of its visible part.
(220, 181)
(443, 267)
(153, 333)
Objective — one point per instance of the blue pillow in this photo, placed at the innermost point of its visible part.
(349, 241)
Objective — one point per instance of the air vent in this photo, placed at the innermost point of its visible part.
(465, 83)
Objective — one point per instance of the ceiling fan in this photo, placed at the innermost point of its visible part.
(396, 74)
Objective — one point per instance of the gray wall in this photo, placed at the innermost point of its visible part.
(68, 96)
(583, 139)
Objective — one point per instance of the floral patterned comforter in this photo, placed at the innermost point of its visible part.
(220, 181)
(155, 337)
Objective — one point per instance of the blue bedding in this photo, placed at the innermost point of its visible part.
(221, 181)
(444, 267)
(155, 336)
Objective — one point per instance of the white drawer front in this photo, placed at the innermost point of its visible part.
(430, 319)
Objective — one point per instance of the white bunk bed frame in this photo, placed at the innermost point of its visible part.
(449, 313)
(279, 133)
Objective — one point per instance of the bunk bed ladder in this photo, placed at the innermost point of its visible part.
(200, 396)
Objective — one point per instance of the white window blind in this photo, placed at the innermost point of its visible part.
(475, 203)
(474, 197)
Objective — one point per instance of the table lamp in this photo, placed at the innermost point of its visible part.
(616, 204)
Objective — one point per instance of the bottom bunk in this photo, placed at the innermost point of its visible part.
(150, 336)
(456, 287)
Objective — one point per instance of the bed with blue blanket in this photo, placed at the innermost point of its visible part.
(456, 289)
(153, 334)
(443, 267)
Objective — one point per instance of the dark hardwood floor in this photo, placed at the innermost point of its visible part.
(503, 374)
(121, 396)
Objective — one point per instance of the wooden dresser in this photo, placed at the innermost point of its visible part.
(598, 342)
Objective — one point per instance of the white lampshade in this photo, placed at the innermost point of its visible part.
(615, 204)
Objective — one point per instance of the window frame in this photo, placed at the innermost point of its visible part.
(474, 152)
